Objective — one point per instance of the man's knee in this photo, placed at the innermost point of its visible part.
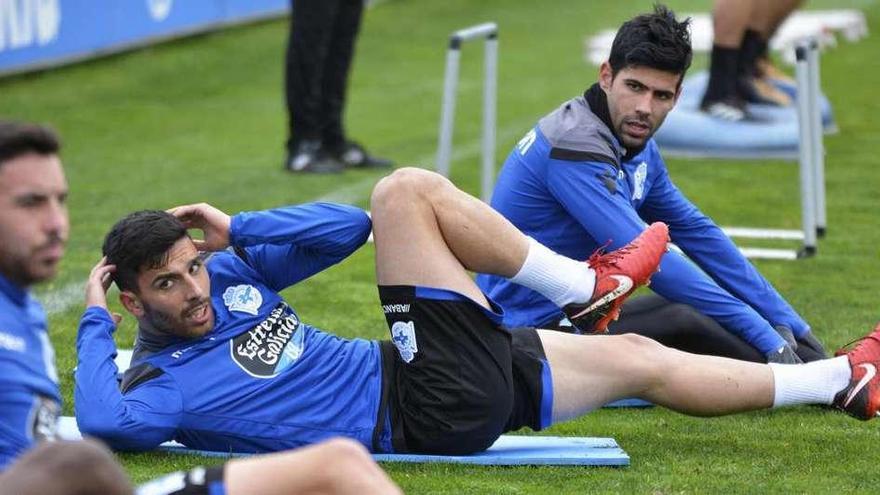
(402, 185)
(644, 358)
(346, 450)
(358, 472)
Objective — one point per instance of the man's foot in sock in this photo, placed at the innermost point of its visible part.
(618, 274)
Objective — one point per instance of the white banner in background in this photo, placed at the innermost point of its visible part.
(25, 23)
(159, 9)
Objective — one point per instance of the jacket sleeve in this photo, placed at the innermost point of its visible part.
(141, 419)
(287, 245)
(707, 245)
(589, 192)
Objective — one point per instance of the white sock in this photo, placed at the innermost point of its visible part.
(558, 278)
(816, 382)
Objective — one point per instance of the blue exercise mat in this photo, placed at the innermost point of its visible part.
(636, 403)
(689, 132)
(509, 450)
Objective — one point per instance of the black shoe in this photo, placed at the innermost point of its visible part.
(310, 157)
(353, 155)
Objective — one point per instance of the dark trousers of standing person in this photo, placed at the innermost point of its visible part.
(319, 54)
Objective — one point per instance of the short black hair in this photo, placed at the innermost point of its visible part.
(141, 240)
(657, 40)
(21, 138)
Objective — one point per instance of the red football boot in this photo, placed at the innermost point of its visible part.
(861, 399)
(618, 274)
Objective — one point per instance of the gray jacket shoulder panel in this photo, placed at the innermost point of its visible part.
(577, 134)
(137, 375)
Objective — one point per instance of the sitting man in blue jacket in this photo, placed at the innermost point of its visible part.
(589, 174)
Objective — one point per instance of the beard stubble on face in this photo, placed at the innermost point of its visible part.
(175, 325)
(26, 269)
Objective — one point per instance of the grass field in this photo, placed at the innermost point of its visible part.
(202, 120)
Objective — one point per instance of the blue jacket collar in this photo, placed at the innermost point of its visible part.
(17, 294)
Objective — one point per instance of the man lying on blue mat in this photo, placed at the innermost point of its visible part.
(589, 173)
(33, 231)
(223, 363)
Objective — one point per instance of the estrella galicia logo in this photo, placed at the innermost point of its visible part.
(244, 298)
(403, 334)
(270, 347)
(639, 177)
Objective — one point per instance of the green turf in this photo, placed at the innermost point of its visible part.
(202, 120)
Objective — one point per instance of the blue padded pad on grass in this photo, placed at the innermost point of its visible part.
(629, 403)
(509, 450)
(689, 132)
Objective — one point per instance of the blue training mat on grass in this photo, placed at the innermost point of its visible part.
(629, 403)
(509, 450)
(689, 132)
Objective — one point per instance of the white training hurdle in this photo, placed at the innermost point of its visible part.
(811, 163)
(488, 32)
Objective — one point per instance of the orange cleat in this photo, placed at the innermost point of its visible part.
(861, 399)
(618, 274)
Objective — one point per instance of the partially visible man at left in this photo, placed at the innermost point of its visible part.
(33, 231)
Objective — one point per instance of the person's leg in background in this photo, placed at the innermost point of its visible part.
(345, 29)
(308, 47)
(773, 14)
(722, 99)
(754, 86)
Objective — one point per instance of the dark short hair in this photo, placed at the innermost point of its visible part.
(141, 240)
(20, 138)
(657, 40)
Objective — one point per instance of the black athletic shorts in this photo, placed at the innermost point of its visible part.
(454, 379)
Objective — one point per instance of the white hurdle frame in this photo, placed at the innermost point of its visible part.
(811, 166)
(489, 32)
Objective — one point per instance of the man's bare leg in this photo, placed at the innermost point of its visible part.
(338, 466)
(428, 233)
(766, 20)
(590, 371)
(766, 17)
(729, 21)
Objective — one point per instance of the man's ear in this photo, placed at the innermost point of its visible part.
(606, 76)
(132, 303)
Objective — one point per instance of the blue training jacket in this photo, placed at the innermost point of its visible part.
(260, 380)
(570, 192)
(29, 397)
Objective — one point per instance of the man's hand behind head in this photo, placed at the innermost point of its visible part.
(213, 223)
